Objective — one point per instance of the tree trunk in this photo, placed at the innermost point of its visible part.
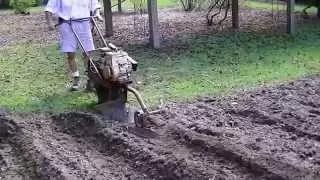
(291, 19)
(153, 24)
(108, 17)
(119, 6)
(235, 14)
(318, 8)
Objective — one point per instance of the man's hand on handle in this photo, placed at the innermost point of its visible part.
(98, 15)
(49, 20)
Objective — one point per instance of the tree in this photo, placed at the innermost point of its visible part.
(108, 17)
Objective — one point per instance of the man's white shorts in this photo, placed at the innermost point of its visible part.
(68, 41)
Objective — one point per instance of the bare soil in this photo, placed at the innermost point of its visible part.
(268, 133)
(132, 28)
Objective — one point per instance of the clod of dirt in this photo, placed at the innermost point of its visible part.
(2, 112)
(79, 122)
(7, 127)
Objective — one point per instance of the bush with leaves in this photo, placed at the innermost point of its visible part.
(38, 2)
(4, 3)
(22, 6)
(139, 5)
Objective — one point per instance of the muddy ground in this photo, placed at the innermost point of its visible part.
(130, 28)
(269, 133)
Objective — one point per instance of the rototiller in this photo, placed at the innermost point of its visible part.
(110, 72)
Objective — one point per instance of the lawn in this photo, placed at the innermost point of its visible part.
(281, 6)
(33, 77)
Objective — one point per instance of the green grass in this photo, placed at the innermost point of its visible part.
(33, 77)
(276, 6)
(228, 62)
(32, 10)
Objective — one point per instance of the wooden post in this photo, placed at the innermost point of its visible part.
(153, 24)
(119, 6)
(291, 19)
(235, 14)
(108, 17)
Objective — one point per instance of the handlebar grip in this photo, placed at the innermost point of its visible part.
(112, 46)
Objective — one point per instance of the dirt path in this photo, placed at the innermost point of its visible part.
(133, 29)
(270, 133)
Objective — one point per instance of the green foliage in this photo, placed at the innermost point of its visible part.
(22, 6)
(308, 2)
(139, 5)
(268, 6)
(38, 2)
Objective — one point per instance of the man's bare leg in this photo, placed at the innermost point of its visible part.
(71, 57)
(85, 61)
(89, 85)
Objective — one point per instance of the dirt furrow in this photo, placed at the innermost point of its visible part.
(271, 133)
(233, 125)
(294, 105)
(11, 166)
(167, 156)
(288, 125)
(250, 153)
(264, 166)
(57, 155)
(250, 121)
(21, 159)
(156, 154)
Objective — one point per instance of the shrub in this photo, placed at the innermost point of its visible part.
(139, 5)
(22, 6)
(4, 3)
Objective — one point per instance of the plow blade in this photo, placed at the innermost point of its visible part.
(116, 111)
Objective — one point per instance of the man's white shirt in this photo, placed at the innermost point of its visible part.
(72, 9)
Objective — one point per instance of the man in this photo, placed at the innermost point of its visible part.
(67, 10)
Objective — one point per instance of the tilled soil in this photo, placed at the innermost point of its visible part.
(268, 133)
(130, 28)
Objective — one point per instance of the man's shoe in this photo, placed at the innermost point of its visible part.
(75, 84)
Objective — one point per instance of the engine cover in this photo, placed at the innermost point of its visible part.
(117, 67)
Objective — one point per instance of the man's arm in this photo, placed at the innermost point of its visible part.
(49, 20)
(50, 9)
(95, 8)
(52, 6)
